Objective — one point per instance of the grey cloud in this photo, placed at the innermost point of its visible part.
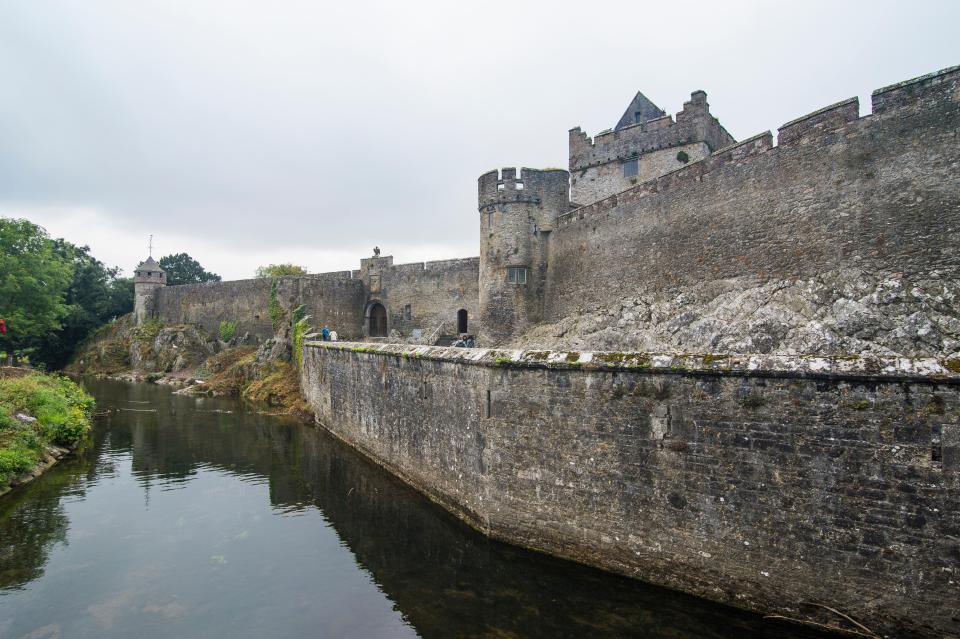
(321, 125)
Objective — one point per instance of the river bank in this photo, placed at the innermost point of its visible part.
(42, 419)
(189, 360)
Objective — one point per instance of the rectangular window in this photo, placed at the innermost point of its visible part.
(631, 168)
(516, 275)
(407, 312)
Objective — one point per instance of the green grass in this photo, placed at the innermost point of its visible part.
(62, 411)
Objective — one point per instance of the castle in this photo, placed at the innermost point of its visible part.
(729, 368)
(666, 234)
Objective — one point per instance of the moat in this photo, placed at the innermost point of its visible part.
(203, 518)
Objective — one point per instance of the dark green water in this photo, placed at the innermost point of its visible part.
(197, 518)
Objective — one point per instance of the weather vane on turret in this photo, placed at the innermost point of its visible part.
(150, 246)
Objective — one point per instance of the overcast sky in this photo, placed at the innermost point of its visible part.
(252, 132)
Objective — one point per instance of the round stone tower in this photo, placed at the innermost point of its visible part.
(518, 210)
(147, 278)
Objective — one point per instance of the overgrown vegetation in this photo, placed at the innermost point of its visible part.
(147, 331)
(106, 351)
(278, 384)
(227, 330)
(236, 372)
(274, 309)
(280, 270)
(62, 416)
(229, 372)
(683, 157)
(301, 327)
(364, 349)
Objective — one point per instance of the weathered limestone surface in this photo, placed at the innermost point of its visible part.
(833, 312)
(759, 481)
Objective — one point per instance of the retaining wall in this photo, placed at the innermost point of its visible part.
(757, 481)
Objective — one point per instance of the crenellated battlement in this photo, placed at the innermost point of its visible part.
(533, 186)
(822, 126)
(914, 93)
(735, 153)
(647, 146)
(693, 124)
(823, 120)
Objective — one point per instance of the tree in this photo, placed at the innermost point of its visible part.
(280, 270)
(33, 284)
(94, 297)
(183, 269)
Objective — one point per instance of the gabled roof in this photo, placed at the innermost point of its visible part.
(640, 107)
(151, 264)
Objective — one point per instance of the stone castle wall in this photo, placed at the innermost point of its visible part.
(426, 297)
(596, 165)
(596, 182)
(334, 299)
(760, 482)
(420, 298)
(843, 238)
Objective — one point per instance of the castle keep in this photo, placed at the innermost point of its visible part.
(730, 368)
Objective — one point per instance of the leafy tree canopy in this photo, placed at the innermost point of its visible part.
(280, 270)
(94, 296)
(183, 269)
(33, 283)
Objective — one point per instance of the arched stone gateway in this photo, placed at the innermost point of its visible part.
(377, 320)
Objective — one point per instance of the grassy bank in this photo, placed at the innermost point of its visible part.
(37, 411)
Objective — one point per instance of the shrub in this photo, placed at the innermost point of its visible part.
(300, 328)
(683, 157)
(274, 309)
(62, 411)
(227, 330)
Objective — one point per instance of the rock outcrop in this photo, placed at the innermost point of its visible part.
(836, 313)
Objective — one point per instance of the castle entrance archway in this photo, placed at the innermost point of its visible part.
(378, 320)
